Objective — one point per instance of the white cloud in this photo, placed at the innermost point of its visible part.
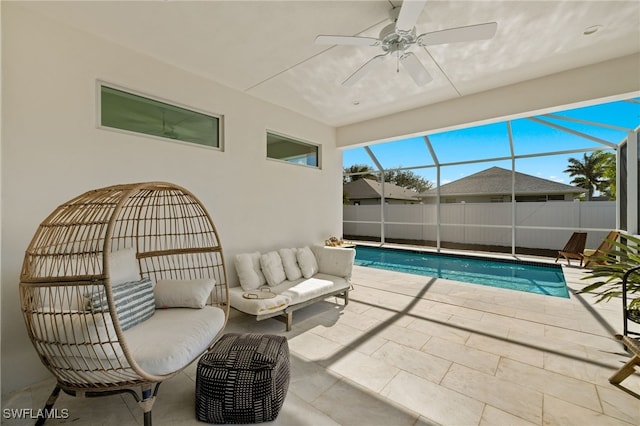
(558, 179)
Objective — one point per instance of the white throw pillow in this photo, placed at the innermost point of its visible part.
(290, 263)
(123, 266)
(307, 261)
(248, 269)
(272, 268)
(183, 293)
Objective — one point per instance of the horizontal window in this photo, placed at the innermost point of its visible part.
(291, 150)
(134, 113)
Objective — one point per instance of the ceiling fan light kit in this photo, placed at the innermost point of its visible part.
(398, 37)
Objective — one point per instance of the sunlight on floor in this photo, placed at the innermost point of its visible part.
(411, 350)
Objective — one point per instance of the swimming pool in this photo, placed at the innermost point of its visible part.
(531, 277)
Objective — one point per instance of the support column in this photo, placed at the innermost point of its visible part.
(632, 182)
(437, 163)
(513, 190)
(382, 199)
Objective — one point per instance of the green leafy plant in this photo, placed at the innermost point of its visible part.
(611, 268)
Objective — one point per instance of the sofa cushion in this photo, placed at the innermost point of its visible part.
(334, 260)
(309, 288)
(249, 272)
(290, 263)
(256, 306)
(307, 261)
(174, 338)
(183, 293)
(272, 268)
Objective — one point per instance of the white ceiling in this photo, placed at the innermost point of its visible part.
(266, 48)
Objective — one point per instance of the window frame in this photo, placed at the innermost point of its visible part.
(101, 83)
(297, 140)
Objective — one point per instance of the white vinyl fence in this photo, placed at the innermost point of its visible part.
(543, 225)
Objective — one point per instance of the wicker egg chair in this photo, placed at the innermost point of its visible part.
(72, 259)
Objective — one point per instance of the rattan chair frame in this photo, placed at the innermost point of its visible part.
(69, 256)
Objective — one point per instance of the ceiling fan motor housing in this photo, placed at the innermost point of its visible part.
(393, 40)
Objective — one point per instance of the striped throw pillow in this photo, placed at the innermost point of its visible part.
(134, 302)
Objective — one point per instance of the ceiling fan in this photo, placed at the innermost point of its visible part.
(398, 37)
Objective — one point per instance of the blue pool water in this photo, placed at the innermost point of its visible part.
(531, 277)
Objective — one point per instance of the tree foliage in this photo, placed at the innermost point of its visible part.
(589, 172)
(361, 171)
(407, 179)
(608, 276)
(609, 175)
(404, 178)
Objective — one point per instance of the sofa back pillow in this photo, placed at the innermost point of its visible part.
(290, 263)
(307, 261)
(248, 270)
(272, 268)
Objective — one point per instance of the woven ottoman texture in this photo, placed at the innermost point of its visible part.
(244, 378)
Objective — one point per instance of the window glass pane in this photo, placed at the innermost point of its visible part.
(126, 111)
(291, 150)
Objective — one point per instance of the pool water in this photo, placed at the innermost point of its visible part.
(531, 277)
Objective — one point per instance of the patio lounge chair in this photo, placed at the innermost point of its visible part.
(574, 247)
(598, 255)
(628, 368)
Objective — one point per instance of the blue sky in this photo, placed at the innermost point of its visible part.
(490, 141)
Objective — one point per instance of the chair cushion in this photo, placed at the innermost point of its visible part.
(134, 302)
(174, 338)
(183, 293)
(123, 266)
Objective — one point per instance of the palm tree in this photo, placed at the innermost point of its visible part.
(609, 175)
(588, 173)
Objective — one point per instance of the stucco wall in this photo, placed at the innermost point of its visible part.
(52, 150)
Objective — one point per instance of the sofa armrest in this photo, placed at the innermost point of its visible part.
(336, 261)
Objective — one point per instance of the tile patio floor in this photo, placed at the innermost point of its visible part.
(411, 350)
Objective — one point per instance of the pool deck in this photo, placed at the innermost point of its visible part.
(413, 350)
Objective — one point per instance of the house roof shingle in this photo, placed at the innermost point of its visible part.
(497, 181)
(364, 188)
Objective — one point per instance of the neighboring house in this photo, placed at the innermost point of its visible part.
(493, 185)
(368, 191)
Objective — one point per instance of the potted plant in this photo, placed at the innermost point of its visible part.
(622, 259)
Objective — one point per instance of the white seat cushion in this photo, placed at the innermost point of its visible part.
(173, 338)
(256, 306)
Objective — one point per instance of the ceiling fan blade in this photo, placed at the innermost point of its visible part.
(416, 70)
(363, 70)
(409, 13)
(455, 35)
(347, 40)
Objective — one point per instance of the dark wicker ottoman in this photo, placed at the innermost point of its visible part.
(244, 378)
